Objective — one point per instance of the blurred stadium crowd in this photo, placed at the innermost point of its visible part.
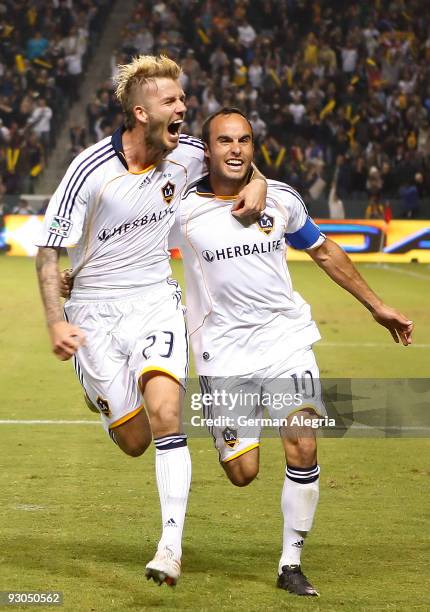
(44, 48)
(338, 93)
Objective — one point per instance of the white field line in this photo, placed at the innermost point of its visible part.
(45, 422)
(383, 428)
(366, 344)
(398, 271)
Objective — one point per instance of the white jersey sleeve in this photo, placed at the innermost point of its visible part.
(66, 212)
(194, 149)
(301, 231)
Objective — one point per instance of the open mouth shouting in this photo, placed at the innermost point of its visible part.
(174, 128)
(235, 164)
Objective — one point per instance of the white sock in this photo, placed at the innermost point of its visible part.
(299, 503)
(173, 470)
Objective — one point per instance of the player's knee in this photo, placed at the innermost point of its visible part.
(163, 400)
(135, 448)
(242, 477)
(243, 480)
(307, 448)
(302, 449)
(164, 417)
(133, 445)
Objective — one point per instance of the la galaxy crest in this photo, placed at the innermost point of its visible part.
(103, 406)
(168, 192)
(100, 405)
(266, 224)
(230, 437)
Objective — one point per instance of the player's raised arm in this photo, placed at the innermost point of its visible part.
(65, 338)
(336, 263)
(251, 200)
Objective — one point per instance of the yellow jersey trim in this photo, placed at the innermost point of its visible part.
(147, 169)
(205, 194)
(161, 370)
(126, 417)
(230, 197)
(306, 407)
(208, 194)
(242, 452)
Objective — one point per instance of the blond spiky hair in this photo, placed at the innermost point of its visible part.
(132, 76)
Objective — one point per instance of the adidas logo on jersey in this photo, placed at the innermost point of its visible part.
(146, 181)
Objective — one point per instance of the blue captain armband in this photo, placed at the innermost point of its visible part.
(306, 236)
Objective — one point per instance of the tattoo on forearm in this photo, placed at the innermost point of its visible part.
(49, 283)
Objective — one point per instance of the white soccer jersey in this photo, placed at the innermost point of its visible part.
(243, 314)
(115, 223)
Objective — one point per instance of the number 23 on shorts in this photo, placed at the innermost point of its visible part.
(164, 341)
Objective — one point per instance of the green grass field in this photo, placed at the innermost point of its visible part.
(78, 516)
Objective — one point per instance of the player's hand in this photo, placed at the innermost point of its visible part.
(397, 324)
(251, 201)
(65, 339)
(66, 283)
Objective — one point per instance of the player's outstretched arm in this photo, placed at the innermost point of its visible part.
(336, 263)
(251, 200)
(65, 338)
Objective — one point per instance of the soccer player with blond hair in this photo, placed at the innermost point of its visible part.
(123, 324)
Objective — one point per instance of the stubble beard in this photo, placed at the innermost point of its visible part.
(154, 145)
(154, 138)
(233, 183)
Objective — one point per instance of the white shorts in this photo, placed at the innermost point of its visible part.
(236, 411)
(125, 338)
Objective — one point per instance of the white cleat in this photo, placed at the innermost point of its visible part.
(164, 568)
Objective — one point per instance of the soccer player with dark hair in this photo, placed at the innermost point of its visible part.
(250, 332)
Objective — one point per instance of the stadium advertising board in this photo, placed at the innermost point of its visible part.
(377, 241)
(364, 240)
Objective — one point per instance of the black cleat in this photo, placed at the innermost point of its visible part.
(294, 581)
